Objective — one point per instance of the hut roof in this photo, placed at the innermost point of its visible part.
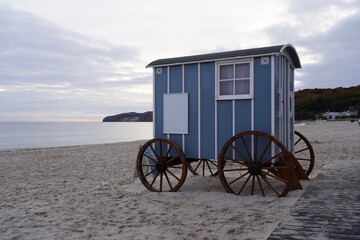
(272, 50)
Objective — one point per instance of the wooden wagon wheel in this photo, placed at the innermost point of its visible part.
(304, 152)
(161, 165)
(204, 167)
(255, 161)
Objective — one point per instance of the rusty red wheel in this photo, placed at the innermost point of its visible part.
(161, 165)
(255, 162)
(304, 152)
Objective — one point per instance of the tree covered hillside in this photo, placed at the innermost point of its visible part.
(309, 102)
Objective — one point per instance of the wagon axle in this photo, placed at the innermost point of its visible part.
(254, 169)
(160, 166)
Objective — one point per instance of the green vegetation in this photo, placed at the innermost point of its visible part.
(310, 103)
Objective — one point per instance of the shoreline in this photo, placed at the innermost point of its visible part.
(88, 192)
(65, 147)
(297, 124)
(57, 134)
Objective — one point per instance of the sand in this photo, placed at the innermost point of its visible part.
(88, 192)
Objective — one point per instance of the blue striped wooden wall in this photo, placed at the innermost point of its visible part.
(207, 132)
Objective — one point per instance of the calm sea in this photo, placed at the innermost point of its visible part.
(38, 135)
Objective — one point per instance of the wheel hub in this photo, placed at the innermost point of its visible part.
(254, 170)
(161, 167)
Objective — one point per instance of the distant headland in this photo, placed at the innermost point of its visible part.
(130, 117)
(336, 103)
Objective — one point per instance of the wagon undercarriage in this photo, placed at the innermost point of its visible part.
(249, 163)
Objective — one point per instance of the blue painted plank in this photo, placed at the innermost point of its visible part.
(224, 122)
(262, 96)
(160, 89)
(175, 79)
(242, 115)
(175, 86)
(207, 71)
(177, 138)
(191, 87)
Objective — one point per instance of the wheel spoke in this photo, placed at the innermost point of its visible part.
(263, 153)
(147, 165)
(243, 186)
(153, 181)
(247, 149)
(267, 182)
(302, 150)
(172, 159)
(297, 141)
(168, 151)
(209, 168)
(203, 168)
(237, 179)
(149, 173)
(150, 157)
(167, 179)
(235, 169)
(177, 167)
(161, 181)
(260, 184)
(304, 159)
(213, 163)
(275, 177)
(238, 152)
(197, 166)
(154, 152)
(172, 174)
(275, 167)
(277, 155)
(161, 152)
(235, 161)
(255, 150)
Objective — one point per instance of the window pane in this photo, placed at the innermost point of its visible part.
(242, 70)
(226, 72)
(226, 88)
(242, 87)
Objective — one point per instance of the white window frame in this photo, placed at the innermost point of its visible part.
(235, 96)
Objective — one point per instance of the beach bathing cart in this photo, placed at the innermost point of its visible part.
(227, 114)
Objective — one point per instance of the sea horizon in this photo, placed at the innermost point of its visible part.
(18, 135)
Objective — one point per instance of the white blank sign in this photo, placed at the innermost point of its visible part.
(176, 113)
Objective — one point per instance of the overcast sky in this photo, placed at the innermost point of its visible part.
(81, 60)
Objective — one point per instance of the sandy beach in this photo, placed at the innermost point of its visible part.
(88, 192)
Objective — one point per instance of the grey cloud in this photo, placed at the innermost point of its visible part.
(338, 49)
(305, 7)
(32, 49)
(47, 69)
